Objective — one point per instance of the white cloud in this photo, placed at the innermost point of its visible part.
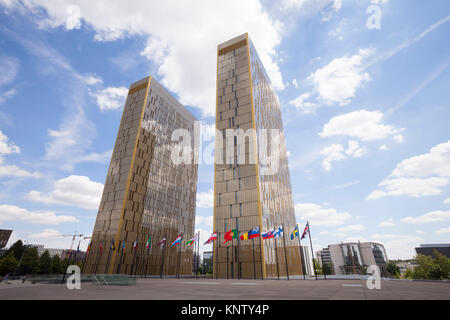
(383, 148)
(332, 153)
(355, 150)
(337, 82)
(433, 216)
(75, 191)
(9, 67)
(92, 79)
(335, 152)
(294, 83)
(205, 199)
(353, 227)
(183, 50)
(387, 223)
(436, 163)
(447, 200)
(7, 95)
(443, 231)
(421, 175)
(319, 216)
(111, 98)
(413, 187)
(14, 213)
(7, 147)
(362, 124)
(301, 104)
(420, 232)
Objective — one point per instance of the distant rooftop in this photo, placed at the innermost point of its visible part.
(436, 245)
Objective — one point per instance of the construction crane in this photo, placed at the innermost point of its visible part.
(74, 236)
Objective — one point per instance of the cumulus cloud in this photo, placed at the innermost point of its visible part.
(74, 191)
(422, 175)
(205, 199)
(387, 223)
(111, 98)
(433, 216)
(9, 67)
(330, 154)
(183, 49)
(362, 124)
(6, 148)
(14, 213)
(303, 105)
(337, 82)
(320, 216)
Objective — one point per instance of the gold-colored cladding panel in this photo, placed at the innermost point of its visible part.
(119, 230)
(256, 158)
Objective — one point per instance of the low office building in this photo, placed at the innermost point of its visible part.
(428, 249)
(356, 257)
(4, 237)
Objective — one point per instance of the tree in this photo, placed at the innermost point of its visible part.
(17, 249)
(8, 264)
(393, 269)
(423, 268)
(317, 267)
(45, 263)
(408, 274)
(56, 266)
(444, 264)
(327, 268)
(30, 261)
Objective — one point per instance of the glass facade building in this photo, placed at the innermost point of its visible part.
(146, 196)
(250, 191)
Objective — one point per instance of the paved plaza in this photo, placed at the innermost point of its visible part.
(211, 289)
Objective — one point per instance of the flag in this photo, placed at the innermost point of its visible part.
(162, 242)
(89, 247)
(294, 234)
(149, 243)
(254, 233)
(176, 241)
(192, 240)
(212, 238)
(123, 245)
(135, 244)
(267, 235)
(306, 231)
(112, 247)
(231, 234)
(101, 247)
(278, 233)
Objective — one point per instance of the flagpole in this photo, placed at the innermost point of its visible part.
(134, 257)
(107, 260)
(254, 264)
(276, 257)
(238, 249)
(85, 258)
(285, 252)
(301, 252)
(261, 244)
(198, 254)
(121, 256)
(312, 252)
(162, 259)
(217, 254)
(67, 266)
(227, 260)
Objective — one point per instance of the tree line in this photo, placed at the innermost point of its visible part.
(21, 260)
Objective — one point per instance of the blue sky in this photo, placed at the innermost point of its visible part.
(364, 103)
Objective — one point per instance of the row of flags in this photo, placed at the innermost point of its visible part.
(229, 236)
(255, 233)
(148, 244)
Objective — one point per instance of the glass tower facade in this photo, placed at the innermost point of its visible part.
(249, 191)
(146, 196)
